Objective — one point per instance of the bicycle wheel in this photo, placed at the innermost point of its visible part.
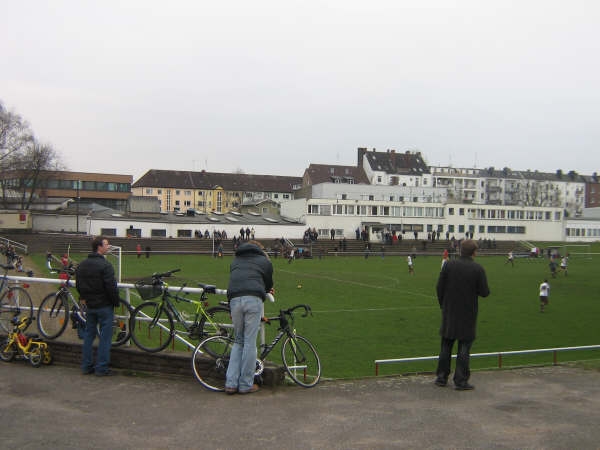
(8, 349)
(151, 327)
(122, 318)
(15, 301)
(301, 361)
(210, 361)
(36, 355)
(53, 315)
(47, 359)
(217, 322)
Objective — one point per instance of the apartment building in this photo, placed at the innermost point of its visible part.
(205, 192)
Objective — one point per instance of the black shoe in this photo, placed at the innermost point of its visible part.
(88, 371)
(108, 373)
(440, 382)
(464, 387)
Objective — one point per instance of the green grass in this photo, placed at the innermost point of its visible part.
(367, 309)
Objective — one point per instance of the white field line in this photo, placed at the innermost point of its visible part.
(358, 283)
(362, 310)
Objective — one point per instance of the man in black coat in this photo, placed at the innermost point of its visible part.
(460, 283)
(97, 287)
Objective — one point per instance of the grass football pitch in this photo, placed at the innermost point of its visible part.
(368, 309)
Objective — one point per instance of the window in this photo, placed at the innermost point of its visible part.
(461, 211)
(451, 228)
(187, 203)
(313, 209)
(350, 210)
(338, 209)
(159, 191)
(108, 231)
(286, 196)
(158, 233)
(379, 178)
(148, 191)
(461, 229)
(275, 195)
(344, 196)
(450, 211)
(184, 233)
(177, 192)
(371, 197)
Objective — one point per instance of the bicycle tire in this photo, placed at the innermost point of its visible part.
(15, 301)
(47, 359)
(210, 361)
(53, 315)
(305, 372)
(8, 349)
(220, 323)
(147, 327)
(121, 321)
(36, 355)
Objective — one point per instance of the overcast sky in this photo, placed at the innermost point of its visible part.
(269, 87)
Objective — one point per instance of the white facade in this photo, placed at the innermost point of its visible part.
(376, 212)
(506, 187)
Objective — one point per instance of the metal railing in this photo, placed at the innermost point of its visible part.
(499, 355)
(16, 245)
(127, 288)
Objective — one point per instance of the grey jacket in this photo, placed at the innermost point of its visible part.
(251, 273)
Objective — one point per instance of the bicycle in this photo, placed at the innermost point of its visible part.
(15, 300)
(58, 307)
(24, 346)
(153, 323)
(298, 356)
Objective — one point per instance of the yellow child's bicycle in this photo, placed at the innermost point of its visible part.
(24, 346)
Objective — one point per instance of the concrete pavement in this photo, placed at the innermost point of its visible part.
(54, 407)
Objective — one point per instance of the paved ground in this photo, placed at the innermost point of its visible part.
(56, 407)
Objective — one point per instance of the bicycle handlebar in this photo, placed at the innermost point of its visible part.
(164, 274)
(307, 310)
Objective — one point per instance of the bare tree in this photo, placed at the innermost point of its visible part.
(22, 160)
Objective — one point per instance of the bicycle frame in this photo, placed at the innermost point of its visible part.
(285, 330)
(24, 349)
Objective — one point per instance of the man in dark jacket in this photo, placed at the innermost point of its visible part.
(460, 283)
(251, 277)
(97, 288)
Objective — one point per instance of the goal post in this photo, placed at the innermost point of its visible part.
(115, 253)
(580, 251)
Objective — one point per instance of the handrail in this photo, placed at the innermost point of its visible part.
(15, 244)
(554, 350)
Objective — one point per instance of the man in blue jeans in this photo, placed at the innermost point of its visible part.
(250, 278)
(97, 288)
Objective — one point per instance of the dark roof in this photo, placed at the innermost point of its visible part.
(571, 176)
(392, 162)
(208, 180)
(324, 173)
(196, 219)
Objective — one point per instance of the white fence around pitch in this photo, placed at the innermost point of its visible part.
(127, 287)
(554, 351)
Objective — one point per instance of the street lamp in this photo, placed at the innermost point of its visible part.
(77, 206)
